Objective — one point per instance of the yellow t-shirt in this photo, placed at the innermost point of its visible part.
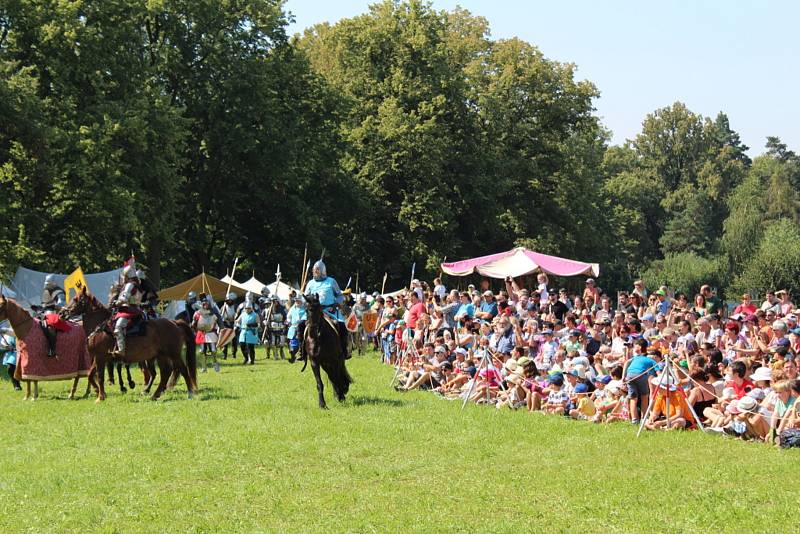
(586, 406)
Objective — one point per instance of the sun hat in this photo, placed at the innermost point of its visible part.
(762, 373)
(728, 393)
(461, 350)
(757, 393)
(668, 381)
(747, 404)
(440, 348)
(668, 331)
(522, 361)
(510, 366)
(581, 388)
(590, 280)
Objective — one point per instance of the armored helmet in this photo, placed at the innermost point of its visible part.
(140, 274)
(50, 281)
(231, 296)
(265, 291)
(192, 295)
(319, 270)
(129, 272)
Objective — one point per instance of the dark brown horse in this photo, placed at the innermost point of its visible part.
(324, 349)
(163, 341)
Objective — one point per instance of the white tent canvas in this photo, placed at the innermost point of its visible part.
(28, 284)
(235, 286)
(282, 290)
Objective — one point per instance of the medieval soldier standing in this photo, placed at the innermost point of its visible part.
(248, 336)
(228, 313)
(297, 326)
(53, 299)
(274, 322)
(128, 307)
(331, 298)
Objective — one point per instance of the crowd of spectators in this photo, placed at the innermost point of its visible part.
(657, 359)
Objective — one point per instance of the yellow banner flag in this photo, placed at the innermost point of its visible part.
(76, 282)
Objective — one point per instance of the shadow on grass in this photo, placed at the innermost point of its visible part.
(215, 393)
(376, 401)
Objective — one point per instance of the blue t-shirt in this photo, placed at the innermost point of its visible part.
(640, 364)
(466, 309)
(490, 307)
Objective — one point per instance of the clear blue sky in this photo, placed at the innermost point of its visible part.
(741, 57)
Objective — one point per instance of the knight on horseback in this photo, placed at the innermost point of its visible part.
(128, 307)
(331, 298)
(149, 295)
(53, 299)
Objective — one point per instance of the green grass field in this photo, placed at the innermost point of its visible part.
(254, 453)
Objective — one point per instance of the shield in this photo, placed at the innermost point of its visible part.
(352, 322)
(370, 321)
(225, 336)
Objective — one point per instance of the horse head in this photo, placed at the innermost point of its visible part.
(313, 306)
(77, 306)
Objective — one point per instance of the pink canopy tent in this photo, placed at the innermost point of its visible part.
(519, 262)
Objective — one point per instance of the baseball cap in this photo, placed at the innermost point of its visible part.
(581, 388)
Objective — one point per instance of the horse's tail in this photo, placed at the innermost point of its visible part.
(339, 377)
(191, 351)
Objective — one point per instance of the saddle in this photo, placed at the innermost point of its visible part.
(137, 326)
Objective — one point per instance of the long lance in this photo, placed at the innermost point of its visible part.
(413, 269)
(230, 280)
(383, 286)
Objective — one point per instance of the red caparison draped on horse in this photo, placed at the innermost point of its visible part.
(71, 361)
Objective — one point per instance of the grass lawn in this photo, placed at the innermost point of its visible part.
(254, 453)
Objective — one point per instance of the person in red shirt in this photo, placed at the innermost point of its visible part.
(741, 385)
(746, 307)
(415, 310)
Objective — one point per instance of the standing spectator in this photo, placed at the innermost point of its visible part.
(713, 303)
(591, 290)
(746, 307)
(771, 303)
(439, 289)
(639, 289)
(488, 307)
(785, 302)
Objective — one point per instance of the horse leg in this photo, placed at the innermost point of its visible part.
(320, 386)
(151, 375)
(119, 375)
(110, 366)
(74, 388)
(35, 390)
(178, 367)
(164, 370)
(131, 383)
(101, 379)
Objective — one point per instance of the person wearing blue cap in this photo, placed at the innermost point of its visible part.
(584, 407)
(557, 399)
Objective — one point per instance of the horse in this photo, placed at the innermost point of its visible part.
(95, 315)
(163, 342)
(71, 360)
(323, 349)
(92, 317)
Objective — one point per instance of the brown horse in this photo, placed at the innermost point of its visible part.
(96, 315)
(162, 341)
(71, 360)
(324, 349)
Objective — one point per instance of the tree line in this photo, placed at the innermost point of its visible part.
(193, 132)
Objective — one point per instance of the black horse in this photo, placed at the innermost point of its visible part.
(322, 346)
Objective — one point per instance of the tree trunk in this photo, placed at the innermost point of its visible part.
(154, 250)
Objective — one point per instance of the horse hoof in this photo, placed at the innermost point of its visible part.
(131, 385)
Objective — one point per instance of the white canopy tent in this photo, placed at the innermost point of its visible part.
(28, 284)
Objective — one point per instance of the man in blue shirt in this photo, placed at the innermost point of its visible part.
(488, 309)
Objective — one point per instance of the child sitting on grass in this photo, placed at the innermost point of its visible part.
(557, 399)
(584, 407)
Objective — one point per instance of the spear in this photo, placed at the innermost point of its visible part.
(230, 280)
(413, 268)
(305, 276)
(383, 286)
(305, 257)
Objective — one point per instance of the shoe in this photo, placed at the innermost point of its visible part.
(634, 421)
(252, 362)
(216, 367)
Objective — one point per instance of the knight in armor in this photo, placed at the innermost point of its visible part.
(205, 324)
(190, 306)
(360, 308)
(228, 313)
(128, 304)
(248, 335)
(297, 326)
(275, 323)
(331, 298)
(211, 305)
(264, 301)
(53, 299)
(149, 295)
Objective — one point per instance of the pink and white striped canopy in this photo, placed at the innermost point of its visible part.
(519, 262)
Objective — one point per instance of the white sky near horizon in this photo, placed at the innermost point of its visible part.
(740, 56)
